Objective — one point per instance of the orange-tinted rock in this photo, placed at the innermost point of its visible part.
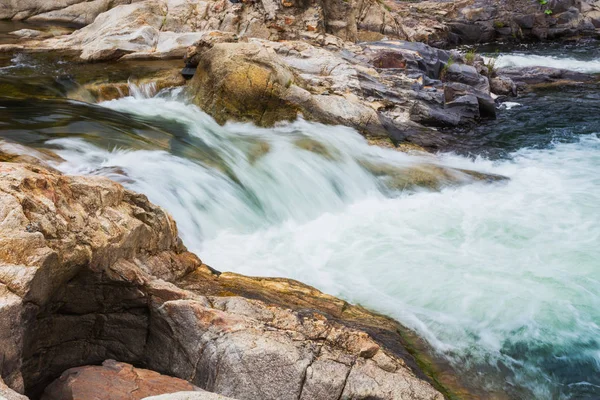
(112, 381)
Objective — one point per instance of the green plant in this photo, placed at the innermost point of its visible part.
(444, 70)
(470, 57)
(499, 24)
(491, 67)
(544, 3)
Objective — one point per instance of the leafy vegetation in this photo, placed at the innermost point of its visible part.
(544, 3)
(491, 67)
(470, 57)
(444, 70)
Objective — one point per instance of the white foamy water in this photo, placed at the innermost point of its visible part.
(531, 60)
(509, 105)
(503, 277)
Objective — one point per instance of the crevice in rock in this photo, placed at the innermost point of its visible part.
(82, 325)
(346, 381)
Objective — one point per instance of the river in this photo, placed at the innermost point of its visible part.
(502, 279)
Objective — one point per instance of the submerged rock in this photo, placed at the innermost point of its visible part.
(148, 84)
(428, 176)
(91, 271)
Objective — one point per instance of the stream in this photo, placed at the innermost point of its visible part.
(501, 279)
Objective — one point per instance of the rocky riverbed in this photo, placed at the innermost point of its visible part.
(99, 295)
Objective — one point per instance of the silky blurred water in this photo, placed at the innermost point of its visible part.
(501, 279)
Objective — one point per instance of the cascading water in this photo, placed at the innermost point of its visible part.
(504, 276)
(533, 60)
(501, 279)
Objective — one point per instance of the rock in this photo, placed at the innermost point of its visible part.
(90, 271)
(7, 393)
(384, 89)
(482, 21)
(467, 108)
(243, 81)
(429, 176)
(29, 33)
(147, 83)
(202, 395)
(72, 11)
(487, 106)
(531, 77)
(80, 13)
(164, 28)
(503, 85)
(112, 381)
(468, 75)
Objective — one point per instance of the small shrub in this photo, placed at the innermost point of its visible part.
(544, 3)
(444, 70)
(470, 57)
(491, 67)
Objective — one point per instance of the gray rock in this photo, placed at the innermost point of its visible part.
(487, 106)
(468, 75)
(378, 88)
(503, 85)
(527, 76)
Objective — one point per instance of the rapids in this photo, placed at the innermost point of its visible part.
(502, 280)
(533, 60)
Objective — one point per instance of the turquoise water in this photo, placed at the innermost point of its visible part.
(501, 279)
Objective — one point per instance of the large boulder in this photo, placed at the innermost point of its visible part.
(90, 271)
(72, 11)
(244, 81)
(383, 89)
